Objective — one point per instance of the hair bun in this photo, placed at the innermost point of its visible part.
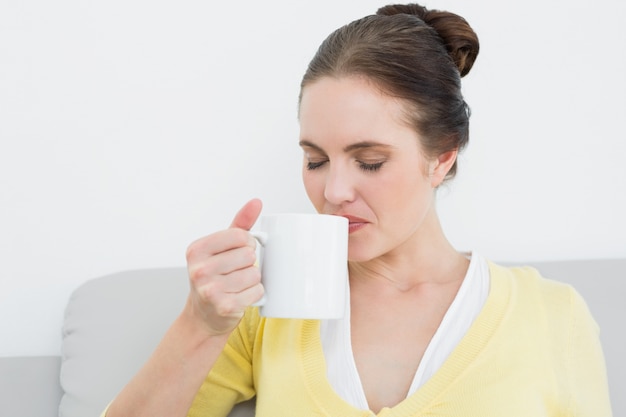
(458, 37)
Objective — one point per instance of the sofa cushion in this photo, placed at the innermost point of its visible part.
(112, 324)
(29, 386)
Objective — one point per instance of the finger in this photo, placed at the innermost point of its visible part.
(219, 242)
(206, 269)
(240, 280)
(247, 215)
(234, 305)
(252, 294)
(237, 290)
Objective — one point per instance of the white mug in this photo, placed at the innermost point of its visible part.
(304, 265)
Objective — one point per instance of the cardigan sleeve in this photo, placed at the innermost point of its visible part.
(230, 381)
(589, 392)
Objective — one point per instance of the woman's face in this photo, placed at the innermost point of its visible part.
(363, 162)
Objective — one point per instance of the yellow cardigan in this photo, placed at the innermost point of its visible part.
(533, 351)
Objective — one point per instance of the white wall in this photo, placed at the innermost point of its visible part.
(130, 128)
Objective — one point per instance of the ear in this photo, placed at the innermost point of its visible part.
(440, 166)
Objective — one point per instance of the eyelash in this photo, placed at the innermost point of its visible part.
(314, 165)
(370, 167)
(365, 167)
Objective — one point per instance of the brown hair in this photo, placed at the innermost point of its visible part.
(414, 54)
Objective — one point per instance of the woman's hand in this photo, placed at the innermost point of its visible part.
(223, 276)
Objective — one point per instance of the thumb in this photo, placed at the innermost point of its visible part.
(247, 215)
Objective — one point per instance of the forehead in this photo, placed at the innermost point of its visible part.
(350, 109)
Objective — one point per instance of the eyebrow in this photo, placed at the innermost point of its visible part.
(349, 148)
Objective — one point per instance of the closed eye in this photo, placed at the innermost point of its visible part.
(314, 165)
(370, 167)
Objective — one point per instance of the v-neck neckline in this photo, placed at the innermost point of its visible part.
(462, 356)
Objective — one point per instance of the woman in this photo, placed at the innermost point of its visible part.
(430, 331)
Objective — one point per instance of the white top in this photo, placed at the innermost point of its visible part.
(336, 342)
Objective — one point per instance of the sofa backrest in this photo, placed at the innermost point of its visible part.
(113, 323)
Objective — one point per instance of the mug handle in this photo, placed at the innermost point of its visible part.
(260, 237)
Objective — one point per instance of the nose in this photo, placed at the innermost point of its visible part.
(339, 186)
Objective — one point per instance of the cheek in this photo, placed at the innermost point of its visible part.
(402, 193)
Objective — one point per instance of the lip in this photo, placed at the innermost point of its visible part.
(354, 223)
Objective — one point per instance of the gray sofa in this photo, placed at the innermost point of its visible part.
(112, 323)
